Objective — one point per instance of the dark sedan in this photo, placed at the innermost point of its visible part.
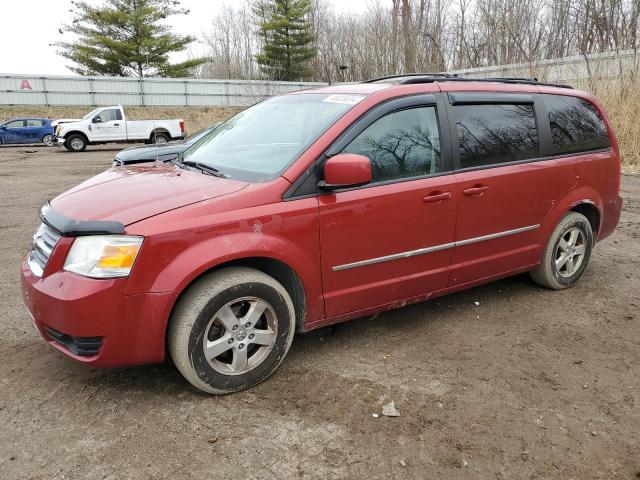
(162, 152)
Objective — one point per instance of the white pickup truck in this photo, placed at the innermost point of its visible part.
(109, 125)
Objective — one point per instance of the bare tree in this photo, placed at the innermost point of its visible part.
(395, 36)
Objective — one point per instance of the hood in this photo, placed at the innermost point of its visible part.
(55, 123)
(150, 152)
(130, 194)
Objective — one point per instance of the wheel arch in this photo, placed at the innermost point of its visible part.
(76, 132)
(277, 269)
(589, 209)
(586, 201)
(157, 130)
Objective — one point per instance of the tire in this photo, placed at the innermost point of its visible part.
(75, 143)
(214, 313)
(567, 254)
(160, 138)
(48, 140)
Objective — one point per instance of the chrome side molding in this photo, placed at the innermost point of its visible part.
(435, 248)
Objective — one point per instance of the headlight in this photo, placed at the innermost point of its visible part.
(106, 256)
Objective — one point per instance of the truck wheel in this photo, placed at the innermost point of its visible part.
(160, 138)
(567, 254)
(48, 140)
(75, 143)
(231, 330)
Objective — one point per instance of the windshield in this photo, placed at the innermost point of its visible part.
(200, 133)
(92, 113)
(259, 143)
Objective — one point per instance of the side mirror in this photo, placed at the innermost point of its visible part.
(96, 120)
(346, 170)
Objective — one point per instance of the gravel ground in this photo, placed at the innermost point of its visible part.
(528, 384)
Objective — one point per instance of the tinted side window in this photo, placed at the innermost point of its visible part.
(494, 134)
(576, 125)
(401, 144)
(15, 124)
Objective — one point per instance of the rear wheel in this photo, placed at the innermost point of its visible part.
(75, 143)
(48, 140)
(159, 138)
(231, 330)
(567, 254)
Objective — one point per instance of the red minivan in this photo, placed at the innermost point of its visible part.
(317, 207)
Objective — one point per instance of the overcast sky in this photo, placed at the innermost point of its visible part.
(27, 27)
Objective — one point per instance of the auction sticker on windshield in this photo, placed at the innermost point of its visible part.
(346, 99)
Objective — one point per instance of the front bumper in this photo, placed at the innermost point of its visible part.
(59, 141)
(94, 321)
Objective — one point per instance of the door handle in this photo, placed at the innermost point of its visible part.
(437, 197)
(476, 190)
(116, 124)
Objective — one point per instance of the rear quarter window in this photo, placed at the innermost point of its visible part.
(576, 125)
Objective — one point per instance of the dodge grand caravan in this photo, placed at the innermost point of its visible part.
(317, 207)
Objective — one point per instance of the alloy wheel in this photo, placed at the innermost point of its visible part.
(570, 252)
(240, 336)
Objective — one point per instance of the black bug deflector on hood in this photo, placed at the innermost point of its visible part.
(70, 227)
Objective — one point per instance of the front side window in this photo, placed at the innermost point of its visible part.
(576, 125)
(15, 124)
(110, 115)
(495, 134)
(262, 141)
(401, 144)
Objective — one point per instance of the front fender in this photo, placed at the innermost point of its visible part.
(197, 259)
(169, 261)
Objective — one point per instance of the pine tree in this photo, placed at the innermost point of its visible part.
(126, 38)
(287, 38)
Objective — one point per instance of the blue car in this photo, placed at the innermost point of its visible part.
(27, 130)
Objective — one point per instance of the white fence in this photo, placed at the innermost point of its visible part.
(86, 91)
(577, 69)
(76, 90)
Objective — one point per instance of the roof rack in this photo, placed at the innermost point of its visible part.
(413, 78)
(410, 75)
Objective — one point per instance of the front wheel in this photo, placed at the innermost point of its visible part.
(231, 330)
(75, 143)
(567, 254)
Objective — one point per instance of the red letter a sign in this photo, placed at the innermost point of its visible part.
(25, 85)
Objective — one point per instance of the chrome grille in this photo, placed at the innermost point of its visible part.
(44, 240)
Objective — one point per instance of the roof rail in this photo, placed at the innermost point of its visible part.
(413, 78)
(407, 75)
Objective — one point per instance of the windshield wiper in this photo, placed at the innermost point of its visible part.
(178, 159)
(203, 167)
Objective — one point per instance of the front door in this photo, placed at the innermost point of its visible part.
(505, 187)
(391, 240)
(15, 132)
(110, 126)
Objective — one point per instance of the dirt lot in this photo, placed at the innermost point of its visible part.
(527, 384)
